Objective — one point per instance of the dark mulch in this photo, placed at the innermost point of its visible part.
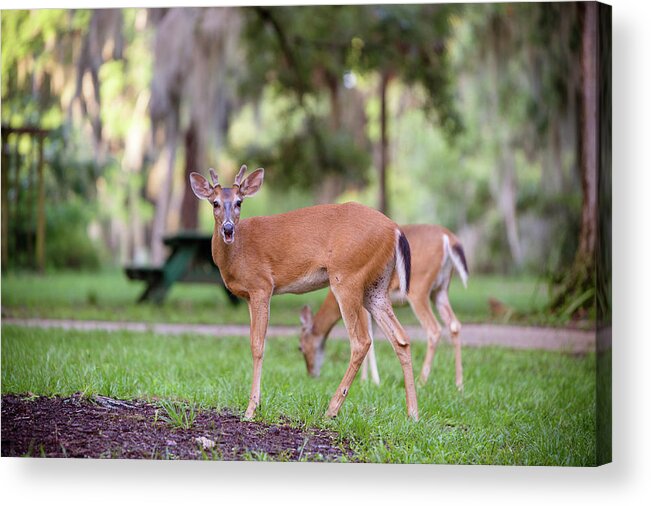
(101, 427)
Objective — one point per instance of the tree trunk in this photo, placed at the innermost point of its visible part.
(5, 198)
(330, 187)
(507, 204)
(137, 254)
(552, 182)
(577, 290)
(162, 204)
(30, 198)
(190, 203)
(504, 185)
(40, 209)
(383, 204)
(589, 134)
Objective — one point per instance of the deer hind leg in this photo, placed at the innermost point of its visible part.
(378, 304)
(259, 313)
(420, 305)
(370, 358)
(356, 322)
(453, 325)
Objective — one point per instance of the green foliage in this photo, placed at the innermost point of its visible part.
(519, 407)
(70, 247)
(304, 53)
(70, 205)
(35, 47)
(410, 41)
(430, 181)
(573, 290)
(297, 50)
(70, 169)
(308, 156)
(83, 184)
(498, 80)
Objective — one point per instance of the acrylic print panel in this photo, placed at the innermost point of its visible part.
(475, 141)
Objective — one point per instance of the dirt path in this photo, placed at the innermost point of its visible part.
(520, 337)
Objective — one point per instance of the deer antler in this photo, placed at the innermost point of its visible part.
(240, 175)
(213, 176)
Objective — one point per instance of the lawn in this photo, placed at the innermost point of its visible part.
(109, 295)
(519, 407)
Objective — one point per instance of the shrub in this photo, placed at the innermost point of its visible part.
(68, 244)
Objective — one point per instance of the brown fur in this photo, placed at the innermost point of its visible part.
(352, 242)
(426, 240)
(350, 247)
(427, 255)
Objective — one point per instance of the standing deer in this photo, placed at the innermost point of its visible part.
(435, 252)
(350, 247)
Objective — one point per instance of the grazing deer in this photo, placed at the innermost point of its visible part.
(435, 252)
(350, 247)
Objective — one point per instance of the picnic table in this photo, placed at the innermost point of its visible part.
(189, 261)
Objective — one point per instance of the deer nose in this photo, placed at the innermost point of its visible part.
(228, 228)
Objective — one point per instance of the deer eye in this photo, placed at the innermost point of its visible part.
(238, 204)
(215, 204)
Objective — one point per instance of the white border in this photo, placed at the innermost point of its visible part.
(627, 481)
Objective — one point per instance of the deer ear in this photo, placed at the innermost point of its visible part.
(306, 317)
(252, 183)
(200, 186)
(240, 175)
(213, 176)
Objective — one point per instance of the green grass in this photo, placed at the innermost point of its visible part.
(519, 407)
(177, 414)
(109, 295)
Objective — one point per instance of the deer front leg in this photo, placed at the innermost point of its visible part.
(259, 314)
(420, 305)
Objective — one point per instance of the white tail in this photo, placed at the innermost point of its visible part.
(403, 262)
(350, 247)
(459, 263)
(435, 252)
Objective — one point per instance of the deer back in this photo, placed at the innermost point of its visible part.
(305, 249)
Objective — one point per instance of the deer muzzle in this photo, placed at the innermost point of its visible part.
(228, 232)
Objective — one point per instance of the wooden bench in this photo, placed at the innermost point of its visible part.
(189, 261)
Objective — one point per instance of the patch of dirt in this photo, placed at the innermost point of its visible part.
(101, 427)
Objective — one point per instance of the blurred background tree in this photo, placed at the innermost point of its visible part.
(317, 56)
(463, 115)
